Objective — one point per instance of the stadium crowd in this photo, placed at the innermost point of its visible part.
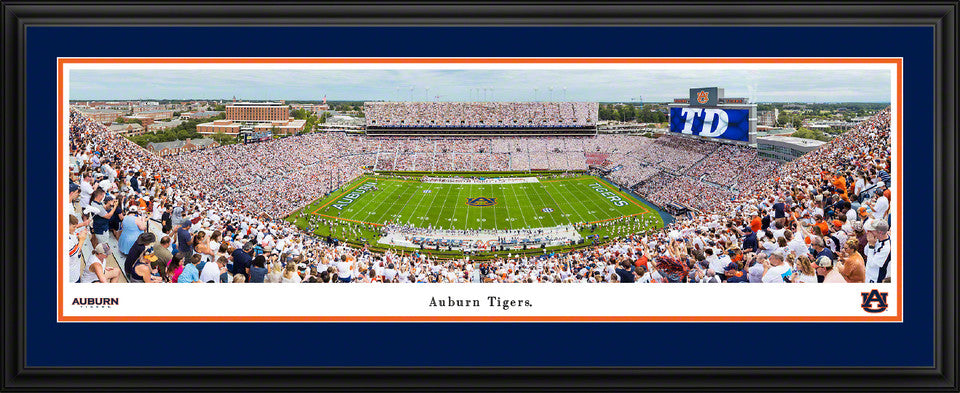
(824, 217)
(480, 114)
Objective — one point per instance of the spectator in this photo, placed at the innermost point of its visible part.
(258, 271)
(212, 271)
(162, 250)
(242, 260)
(176, 266)
(184, 239)
(97, 270)
(879, 260)
(825, 268)
(144, 240)
(145, 268)
(190, 274)
(850, 263)
(290, 274)
(74, 244)
(625, 272)
(131, 228)
(805, 271)
(775, 270)
(275, 274)
(344, 269)
(103, 209)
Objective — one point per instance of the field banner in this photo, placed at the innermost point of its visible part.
(733, 124)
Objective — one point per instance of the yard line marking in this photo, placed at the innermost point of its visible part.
(644, 208)
(562, 194)
(604, 183)
(433, 202)
(369, 201)
(339, 196)
(592, 197)
(420, 201)
(392, 196)
(456, 206)
(506, 209)
(544, 205)
(525, 224)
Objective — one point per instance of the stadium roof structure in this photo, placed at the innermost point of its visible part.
(124, 127)
(255, 104)
(793, 140)
(92, 111)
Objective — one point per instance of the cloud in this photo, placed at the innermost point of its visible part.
(460, 85)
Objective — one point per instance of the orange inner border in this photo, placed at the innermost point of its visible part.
(113, 318)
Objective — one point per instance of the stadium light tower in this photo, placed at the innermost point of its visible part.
(564, 93)
(536, 90)
(426, 95)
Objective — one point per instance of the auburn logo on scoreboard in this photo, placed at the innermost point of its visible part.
(481, 201)
(703, 96)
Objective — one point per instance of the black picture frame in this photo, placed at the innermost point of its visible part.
(17, 15)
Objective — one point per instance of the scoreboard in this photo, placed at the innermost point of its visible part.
(708, 114)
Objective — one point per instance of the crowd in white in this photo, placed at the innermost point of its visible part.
(480, 114)
(821, 218)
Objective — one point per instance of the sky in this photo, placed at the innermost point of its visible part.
(476, 85)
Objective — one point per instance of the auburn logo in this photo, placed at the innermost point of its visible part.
(703, 96)
(481, 201)
(874, 296)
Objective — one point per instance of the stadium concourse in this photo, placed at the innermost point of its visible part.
(216, 215)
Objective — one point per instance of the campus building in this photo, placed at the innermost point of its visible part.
(257, 111)
(199, 115)
(152, 115)
(768, 118)
(105, 116)
(129, 129)
(247, 118)
(176, 147)
(785, 148)
(315, 109)
(163, 125)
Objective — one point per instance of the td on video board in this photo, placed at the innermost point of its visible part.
(732, 124)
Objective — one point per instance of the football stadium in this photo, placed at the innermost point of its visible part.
(487, 192)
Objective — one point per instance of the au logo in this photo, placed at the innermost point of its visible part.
(703, 96)
(481, 201)
(874, 296)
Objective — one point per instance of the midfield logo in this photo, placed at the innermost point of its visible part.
(703, 96)
(871, 297)
(481, 201)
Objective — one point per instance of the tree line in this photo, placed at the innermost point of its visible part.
(621, 112)
(311, 119)
(186, 129)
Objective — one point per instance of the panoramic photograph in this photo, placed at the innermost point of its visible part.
(472, 175)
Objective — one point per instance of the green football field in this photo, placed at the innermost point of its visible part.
(377, 201)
